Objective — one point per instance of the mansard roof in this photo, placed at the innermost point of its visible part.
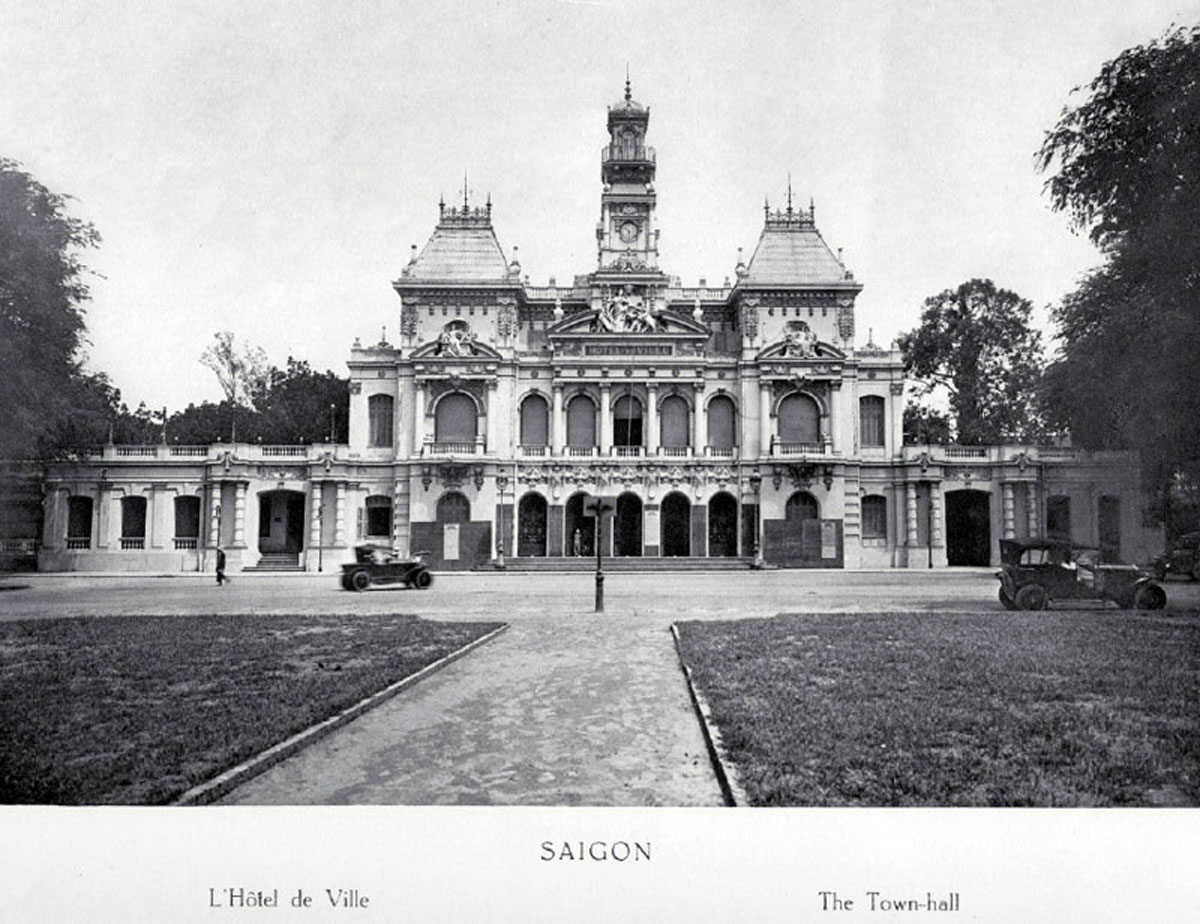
(462, 249)
(791, 251)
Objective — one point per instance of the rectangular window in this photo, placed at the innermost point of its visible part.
(870, 413)
(874, 517)
(1058, 517)
(380, 414)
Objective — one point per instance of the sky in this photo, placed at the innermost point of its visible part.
(264, 168)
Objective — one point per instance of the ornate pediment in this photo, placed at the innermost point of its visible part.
(799, 342)
(628, 321)
(456, 341)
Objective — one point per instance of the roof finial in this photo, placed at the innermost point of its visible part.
(812, 209)
(766, 207)
(789, 192)
(628, 91)
(464, 192)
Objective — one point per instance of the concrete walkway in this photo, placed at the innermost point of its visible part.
(574, 710)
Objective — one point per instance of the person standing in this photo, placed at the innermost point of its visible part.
(220, 567)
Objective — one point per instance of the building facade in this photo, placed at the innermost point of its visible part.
(737, 420)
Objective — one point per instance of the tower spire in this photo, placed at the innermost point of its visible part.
(628, 88)
(464, 192)
(789, 209)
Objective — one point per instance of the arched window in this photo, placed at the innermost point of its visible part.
(874, 517)
(535, 421)
(453, 507)
(627, 421)
(133, 522)
(722, 423)
(870, 420)
(581, 423)
(673, 424)
(379, 516)
(799, 420)
(455, 420)
(801, 506)
(380, 415)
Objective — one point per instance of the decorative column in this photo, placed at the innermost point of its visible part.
(652, 420)
(1031, 504)
(910, 514)
(418, 417)
(493, 415)
(1009, 509)
(339, 538)
(399, 534)
(935, 514)
(239, 516)
(214, 515)
(315, 518)
(764, 418)
(699, 421)
(606, 427)
(558, 426)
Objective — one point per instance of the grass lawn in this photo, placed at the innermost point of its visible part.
(138, 709)
(1044, 708)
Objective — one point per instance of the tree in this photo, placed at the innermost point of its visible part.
(925, 425)
(242, 372)
(299, 405)
(1125, 165)
(42, 293)
(974, 345)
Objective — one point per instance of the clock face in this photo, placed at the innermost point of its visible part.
(628, 232)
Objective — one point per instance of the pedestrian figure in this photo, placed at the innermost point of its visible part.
(577, 542)
(220, 567)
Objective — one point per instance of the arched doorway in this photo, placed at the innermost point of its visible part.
(801, 530)
(722, 526)
(531, 526)
(676, 516)
(280, 522)
(968, 528)
(627, 526)
(580, 529)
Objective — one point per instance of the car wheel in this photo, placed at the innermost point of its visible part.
(360, 580)
(346, 582)
(422, 579)
(1009, 603)
(1032, 597)
(1150, 597)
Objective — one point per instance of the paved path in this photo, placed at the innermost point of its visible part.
(581, 710)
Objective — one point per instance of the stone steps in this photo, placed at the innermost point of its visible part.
(277, 561)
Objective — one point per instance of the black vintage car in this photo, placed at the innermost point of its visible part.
(377, 564)
(1184, 558)
(1036, 571)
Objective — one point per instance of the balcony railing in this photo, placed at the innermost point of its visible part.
(627, 452)
(675, 452)
(633, 152)
(797, 449)
(534, 451)
(75, 543)
(133, 542)
(140, 451)
(190, 451)
(580, 452)
(284, 451)
(454, 447)
(185, 543)
(19, 546)
(715, 452)
(966, 452)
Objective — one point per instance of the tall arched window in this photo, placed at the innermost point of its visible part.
(673, 423)
(380, 414)
(627, 421)
(535, 421)
(187, 522)
(79, 522)
(133, 522)
(455, 420)
(799, 420)
(722, 423)
(870, 420)
(581, 423)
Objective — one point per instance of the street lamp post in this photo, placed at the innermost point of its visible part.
(501, 484)
(756, 486)
(598, 507)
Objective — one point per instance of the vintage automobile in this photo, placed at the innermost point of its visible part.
(1184, 558)
(378, 564)
(1036, 571)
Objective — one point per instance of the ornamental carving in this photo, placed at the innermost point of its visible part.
(456, 339)
(896, 389)
(799, 340)
(845, 320)
(281, 473)
(506, 320)
(624, 312)
(439, 387)
(408, 320)
(748, 320)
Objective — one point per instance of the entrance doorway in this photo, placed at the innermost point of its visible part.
(676, 525)
(968, 528)
(627, 526)
(722, 526)
(531, 526)
(280, 522)
(580, 529)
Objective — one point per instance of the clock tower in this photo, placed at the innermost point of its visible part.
(627, 235)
